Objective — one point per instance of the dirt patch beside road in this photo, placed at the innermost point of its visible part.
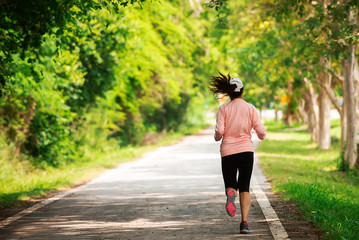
(292, 219)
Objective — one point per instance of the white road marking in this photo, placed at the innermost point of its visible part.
(275, 226)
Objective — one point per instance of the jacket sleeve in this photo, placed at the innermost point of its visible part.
(219, 128)
(258, 125)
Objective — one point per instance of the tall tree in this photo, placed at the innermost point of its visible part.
(331, 27)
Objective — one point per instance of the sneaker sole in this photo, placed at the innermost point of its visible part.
(231, 201)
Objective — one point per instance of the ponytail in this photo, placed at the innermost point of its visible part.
(221, 85)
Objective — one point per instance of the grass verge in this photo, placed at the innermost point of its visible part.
(301, 172)
(21, 182)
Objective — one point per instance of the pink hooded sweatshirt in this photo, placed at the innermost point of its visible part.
(235, 121)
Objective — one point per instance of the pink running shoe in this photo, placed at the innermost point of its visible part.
(230, 206)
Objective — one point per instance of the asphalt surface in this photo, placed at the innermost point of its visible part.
(175, 192)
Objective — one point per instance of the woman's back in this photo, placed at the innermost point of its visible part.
(238, 120)
(235, 121)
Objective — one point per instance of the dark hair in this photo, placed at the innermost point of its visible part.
(220, 84)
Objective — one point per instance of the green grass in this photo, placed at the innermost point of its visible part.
(21, 182)
(302, 173)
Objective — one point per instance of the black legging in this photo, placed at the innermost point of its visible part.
(241, 163)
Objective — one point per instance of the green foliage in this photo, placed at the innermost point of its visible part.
(35, 115)
(129, 72)
(254, 49)
(24, 23)
(221, 7)
(327, 26)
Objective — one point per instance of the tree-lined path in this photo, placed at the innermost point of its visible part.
(175, 192)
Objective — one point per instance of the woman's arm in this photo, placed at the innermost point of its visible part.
(258, 125)
(219, 129)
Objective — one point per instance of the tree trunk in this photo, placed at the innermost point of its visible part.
(356, 87)
(311, 118)
(288, 120)
(324, 140)
(302, 111)
(343, 126)
(343, 120)
(311, 100)
(329, 90)
(350, 108)
(349, 68)
(196, 7)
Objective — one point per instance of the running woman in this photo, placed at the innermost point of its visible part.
(234, 123)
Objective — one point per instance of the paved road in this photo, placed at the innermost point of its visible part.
(175, 192)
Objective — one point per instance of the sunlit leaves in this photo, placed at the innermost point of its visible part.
(125, 72)
(326, 26)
